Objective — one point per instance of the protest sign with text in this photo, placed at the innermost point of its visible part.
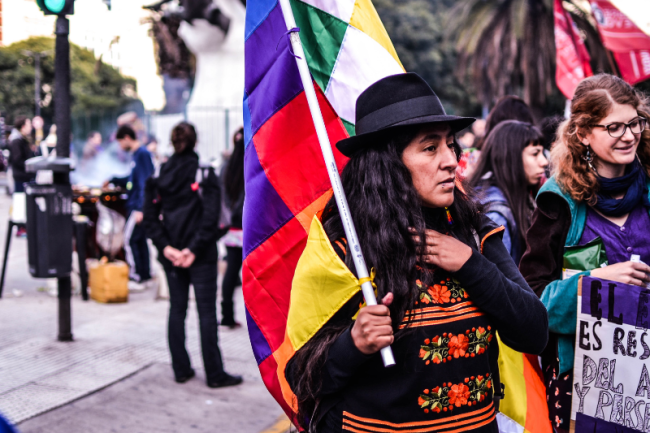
(611, 389)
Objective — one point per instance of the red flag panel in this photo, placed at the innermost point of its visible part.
(268, 271)
(291, 156)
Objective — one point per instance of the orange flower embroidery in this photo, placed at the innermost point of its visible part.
(439, 294)
(458, 395)
(458, 345)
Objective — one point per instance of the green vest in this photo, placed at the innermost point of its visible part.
(567, 310)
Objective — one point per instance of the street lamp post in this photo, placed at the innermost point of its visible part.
(61, 166)
(62, 120)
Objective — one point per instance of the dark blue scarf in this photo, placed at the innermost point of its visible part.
(633, 184)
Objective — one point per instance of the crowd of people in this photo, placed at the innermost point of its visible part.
(467, 232)
(184, 209)
(470, 242)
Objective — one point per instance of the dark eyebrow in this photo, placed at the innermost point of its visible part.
(435, 137)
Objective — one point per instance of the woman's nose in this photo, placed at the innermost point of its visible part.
(543, 160)
(628, 136)
(449, 159)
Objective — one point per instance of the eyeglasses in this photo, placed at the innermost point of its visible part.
(617, 129)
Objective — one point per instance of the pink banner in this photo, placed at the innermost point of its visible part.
(572, 58)
(618, 32)
(634, 65)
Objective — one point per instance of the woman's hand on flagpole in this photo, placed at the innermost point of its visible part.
(373, 329)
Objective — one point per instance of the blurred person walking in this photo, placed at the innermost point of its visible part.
(508, 173)
(181, 215)
(93, 145)
(601, 166)
(21, 150)
(48, 146)
(135, 239)
(232, 176)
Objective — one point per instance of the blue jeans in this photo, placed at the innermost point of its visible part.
(137, 250)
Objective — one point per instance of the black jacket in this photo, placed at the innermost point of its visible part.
(237, 207)
(20, 152)
(179, 214)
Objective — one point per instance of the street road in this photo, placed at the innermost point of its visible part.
(116, 375)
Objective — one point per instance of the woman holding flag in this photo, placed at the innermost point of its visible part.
(445, 280)
(598, 195)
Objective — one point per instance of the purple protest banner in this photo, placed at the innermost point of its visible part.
(611, 380)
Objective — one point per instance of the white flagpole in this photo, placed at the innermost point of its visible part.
(330, 163)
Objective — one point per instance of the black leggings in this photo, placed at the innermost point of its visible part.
(230, 282)
(204, 279)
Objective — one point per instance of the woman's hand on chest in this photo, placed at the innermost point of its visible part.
(444, 251)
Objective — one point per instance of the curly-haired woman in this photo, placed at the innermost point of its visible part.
(445, 292)
(601, 166)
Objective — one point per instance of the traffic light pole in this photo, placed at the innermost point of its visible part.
(62, 120)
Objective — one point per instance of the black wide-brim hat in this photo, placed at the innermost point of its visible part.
(393, 101)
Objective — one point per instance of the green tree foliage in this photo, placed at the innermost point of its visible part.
(417, 29)
(94, 85)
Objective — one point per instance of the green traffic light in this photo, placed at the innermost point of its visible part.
(55, 6)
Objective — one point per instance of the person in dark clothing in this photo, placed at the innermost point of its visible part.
(233, 190)
(599, 189)
(135, 239)
(20, 151)
(509, 107)
(181, 215)
(444, 281)
(509, 172)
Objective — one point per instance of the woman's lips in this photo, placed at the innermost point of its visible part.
(626, 149)
(448, 183)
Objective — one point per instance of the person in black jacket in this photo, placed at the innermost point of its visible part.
(21, 151)
(233, 190)
(181, 215)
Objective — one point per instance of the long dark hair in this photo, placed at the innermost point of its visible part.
(509, 107)
(384, 205)
(501, 155)
(234, 176)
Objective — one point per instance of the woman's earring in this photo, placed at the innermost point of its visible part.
(588, 157)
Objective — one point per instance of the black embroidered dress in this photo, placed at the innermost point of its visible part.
(445, 360)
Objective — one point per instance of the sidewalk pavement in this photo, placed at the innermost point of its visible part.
(116, 375)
